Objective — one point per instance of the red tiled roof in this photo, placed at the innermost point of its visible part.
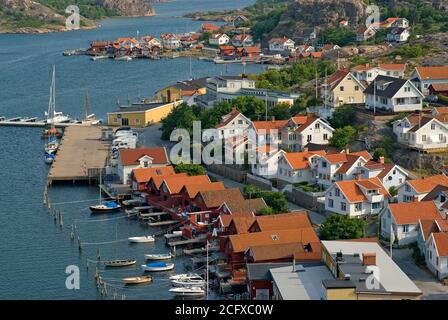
(215, 198)
(441, 242)
(412, 212)
(193, 189)
(336, 78)
(130, 157)
(157, 180)
(299, 160)
(142, 175)
(393, 66)
(426, 184)
(352, 190)
(229, 117)
(175, 183)
(269, 125)
(440, 72)
(285, 221)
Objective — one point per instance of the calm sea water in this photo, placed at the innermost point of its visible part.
(33, 250)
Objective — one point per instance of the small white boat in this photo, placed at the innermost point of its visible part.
(124, 58)
(188, 291)
(159, 256)
(137, 280)
(188, 283)
(120, 263)
(186, 276)
(143, 239)
(99, 58)
(49, 158)
(158, 266)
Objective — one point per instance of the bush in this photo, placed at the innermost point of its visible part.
(191, 169)
(342, 227)
(342, 116)
(342, 137)
(275, 200)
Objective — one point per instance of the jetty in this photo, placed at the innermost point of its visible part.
(35, 122)
(81, 155)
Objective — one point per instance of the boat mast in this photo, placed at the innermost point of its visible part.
(101, 196)
(206, 273)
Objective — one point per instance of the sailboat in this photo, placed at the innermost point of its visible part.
(52, 145)
(52, 115)
(108, 206)
(119, 262)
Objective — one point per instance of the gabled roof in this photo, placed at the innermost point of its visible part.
(241, 222)
(285, 221)
(299, 160)
(175, 183)
(435, 192)
(280, 40)
(428, 226)
(438, 72)
(215, 198)
(269, 125)
(440, 87)
(157, 180)
(241, 242)
(392, 66)
(285, 251)
(441, 242)
(353, 192)
(393, 86)
(412, 212)
(193, 189)
(342, 157)
(131, 157)
(226, 119)
(426, 184)
(246, 205)
(143, 175)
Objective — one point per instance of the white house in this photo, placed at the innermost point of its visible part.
(342, 88)
(366, 72)
(294, 167)
(398, 35)
(130, 159)
(403, 219)
(437, 254)
(269, 132)
(393, 95)
(340, 166)
(422, 131)
(356, 198)
(390, 174)
(267, 161)
(171, 41)
(364, 33)
(233, 123)
(417, 189)
(423, 77)
(218, 39)
(281, 44)
(301, 130)
(242, 40)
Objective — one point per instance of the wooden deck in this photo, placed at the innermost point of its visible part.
(80, 156)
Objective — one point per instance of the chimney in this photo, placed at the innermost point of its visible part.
(347, 149)
(293, 263)
(369, 259)
(272, 118)
(381, 160)
(305, 149)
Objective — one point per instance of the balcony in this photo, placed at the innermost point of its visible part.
(375, 198)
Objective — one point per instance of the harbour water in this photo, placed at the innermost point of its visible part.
(33, 249)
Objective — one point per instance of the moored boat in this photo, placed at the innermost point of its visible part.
(188, 283)
(143, 239)
(108, 206)
(158, 266)
(188, 291)
(120, 262)
(124, 58)
(137, 280)
(159, 256)
(49, 158)
(185, 276)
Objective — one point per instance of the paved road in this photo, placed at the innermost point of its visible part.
(425, 280)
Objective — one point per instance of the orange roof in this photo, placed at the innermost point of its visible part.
(241, 222)
(285, 251)
(441, 242)
(245, 205)
(157, 180)
(362, 67)
(241, 242)
(210, 27)
(269, 125)
(299, 160)
(412, 212)
(252, 49)
(285, 221)
(175, 183)
(131, 157)
(343, 157)
(142, 175)
(302, 126)
(392, 66)
(352, 188)
(440, 87)
(433, 72)
(336, 78)
(193, 189)
(426, 184)
(215, 198)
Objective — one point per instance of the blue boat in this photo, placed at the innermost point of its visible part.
(158, 266)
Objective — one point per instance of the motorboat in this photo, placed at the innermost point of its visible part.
(120, 262)
(106, 207)
(137, 280)
(188, 283)
(49, 158)
(143, 239)
(158, 266)
(186, 276)
(123, 58)
(188, 291)
(159, 256)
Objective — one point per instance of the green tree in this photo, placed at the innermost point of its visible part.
(393, 191)
(342, 227)
(379, 152)
(280, 111)
(342, 116)
(182, 116)
(299, 106)
(275, 200)
(342, 137)
(267, 211)
(192, 169)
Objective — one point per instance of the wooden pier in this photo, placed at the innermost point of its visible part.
(34, 122)
(162, 223)
(186, 241)
(81, 155)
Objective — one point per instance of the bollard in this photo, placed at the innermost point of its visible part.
(61, 223)
(98, 256)
(72, 233)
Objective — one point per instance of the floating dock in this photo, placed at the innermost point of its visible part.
(35, 122)
(186, 241)
(81, 155)
(162, 223)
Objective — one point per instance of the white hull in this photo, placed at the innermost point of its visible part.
(186, 283)
(158, 256)
(141, 239)
(185, 276)
(192, 292)
(155, 269)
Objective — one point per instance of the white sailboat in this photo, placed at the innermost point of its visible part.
(52, 115)
(106, 207)
(52, 145)
(142, 239)
(188, 291)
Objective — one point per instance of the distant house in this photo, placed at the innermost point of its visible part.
(367, 73)
(227, 51)
(281, 44)
(209, 27)
(342, 88)
(218, 39)
(343, 23)
(404, 219)
(305, 49)
(417, 189)
(364, 33)
(242, 40)
(140, 176)
(395, 22)
(423, 77)
(149, 42)
(398, 35)
(248, 52)
(330, 47)
(356, 198)
(295, 167)
(390, 174)
(393, 95)
(240, 20)
(130, 159)
(171, 41)
(232, 124)
(269, 132)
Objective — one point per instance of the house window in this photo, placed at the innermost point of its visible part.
(424, 137)
(433, 126)
(330, 203)
(343, 206)
(356, 88)
(358, 206)
(309, 138)
(408, 188)
(145, 164)
(407, 198)
(376, 205)
(240, 121)
(317, 125)
(324, 164)
(341, 88)
(325, 136)
(405, 228)
(337, 192)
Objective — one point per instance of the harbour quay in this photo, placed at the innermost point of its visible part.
(81, 156)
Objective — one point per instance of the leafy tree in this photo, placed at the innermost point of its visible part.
(379, 152)
(393, 191)
(182, 116)
(275, 200)
(342, 116)
(192, 169)
(280, 111)
(299, 106)
(411, 51)
(342, 137)
(267, 211)
(341, 37)
(342, 227)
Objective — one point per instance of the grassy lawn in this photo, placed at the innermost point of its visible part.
(305, 186)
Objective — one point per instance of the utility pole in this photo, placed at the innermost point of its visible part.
(374, 96)
(266, 105)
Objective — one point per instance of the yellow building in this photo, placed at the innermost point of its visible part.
(140, 115)
(343, 88)
(182, 90)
